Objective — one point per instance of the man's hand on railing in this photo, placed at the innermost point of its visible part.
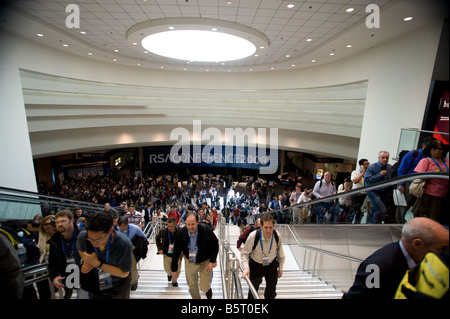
(210, 267)
(246, 273)
(280, 273)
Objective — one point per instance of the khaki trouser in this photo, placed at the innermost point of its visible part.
(134, 271)
(168, 263)
(192, 274)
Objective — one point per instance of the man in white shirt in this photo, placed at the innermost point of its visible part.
(357, 178)
(263, 256)
(323, 188)
(293, 199)
(135, 217)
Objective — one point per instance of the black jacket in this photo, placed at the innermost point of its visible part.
(57, 259)
(392, 267)
(57, 262)
(162, 240)
(207, 242)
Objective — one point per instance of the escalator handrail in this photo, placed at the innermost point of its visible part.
(374, 186)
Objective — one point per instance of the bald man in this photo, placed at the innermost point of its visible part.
(380, 274)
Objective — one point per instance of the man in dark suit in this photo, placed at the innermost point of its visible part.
(380, 274)
(200, 247)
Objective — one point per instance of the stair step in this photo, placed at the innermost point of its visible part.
(153, 284)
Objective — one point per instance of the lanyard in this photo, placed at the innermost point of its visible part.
(260, 241)
(439, 166)
(191, 248)
(73, 245)
(168, 234)
(107, 249)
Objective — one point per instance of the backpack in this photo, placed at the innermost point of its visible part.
(32, 251)
(393, 171)
(258, 234)
(428, 280)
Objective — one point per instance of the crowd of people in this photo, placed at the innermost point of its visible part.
(98, 240)
(162, 195)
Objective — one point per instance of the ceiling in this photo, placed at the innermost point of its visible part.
(298, 37)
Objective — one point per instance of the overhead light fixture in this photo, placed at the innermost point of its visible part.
(290, 5)
(408, 19)
(195, 39)
(198, 45)
(350, 10)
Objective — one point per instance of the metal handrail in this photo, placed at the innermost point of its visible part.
(230, 268)
(368, 188)
(323, 251)
(36, 273)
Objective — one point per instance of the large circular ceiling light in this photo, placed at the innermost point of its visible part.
(199, 45)
(196, 39)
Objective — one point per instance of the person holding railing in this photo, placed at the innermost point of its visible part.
(434, 201)
(376, 172)
(263, 256)
(323, 188)
(165, 241)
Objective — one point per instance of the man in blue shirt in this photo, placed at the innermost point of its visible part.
(374, 174)
(131, 230)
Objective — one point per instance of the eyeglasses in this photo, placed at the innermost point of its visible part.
(64, 221)
(96, 240)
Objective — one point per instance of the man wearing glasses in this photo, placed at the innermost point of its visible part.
(63, 253)
(108, 255)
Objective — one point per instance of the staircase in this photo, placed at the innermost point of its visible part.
(298, 284)
(153, 284)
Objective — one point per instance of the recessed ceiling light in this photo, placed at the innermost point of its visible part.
(65, 45)
(349, 45)
(288, 56)
(197, 39)
(116, 50)
(171, 28)
(229, 2)
(350, 10)
(408, 19)
(332, 53)
(90, 53)
(290, 5)
(198, 45)
(308, 40)
(39, 34)
(83, 32)
(115, 60)
(313, 61)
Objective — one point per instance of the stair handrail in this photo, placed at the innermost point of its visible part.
(230, 267)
